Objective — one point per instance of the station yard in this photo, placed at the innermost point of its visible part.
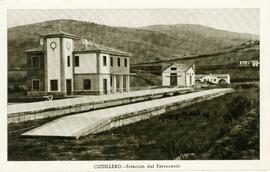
(207, 130)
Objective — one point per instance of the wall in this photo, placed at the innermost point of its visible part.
(167, 73)
(88, 63)
(53, 63)
(78, 83)
(122, 69)
(104, 69)
(213, 76)
(210, 78)
(181, 80)
(166, 79)
(35, 72)
(190, 72)
(68, 71)
(101, 77)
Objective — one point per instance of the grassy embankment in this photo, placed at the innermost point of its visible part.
(226, 127)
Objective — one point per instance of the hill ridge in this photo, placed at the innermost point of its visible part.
(146, 45)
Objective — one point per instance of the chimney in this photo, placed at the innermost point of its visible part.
(58, 26)
(41, 41)
(85, 42)
(94, 41)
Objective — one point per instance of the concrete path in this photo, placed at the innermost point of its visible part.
(77, 125)
(37, 106)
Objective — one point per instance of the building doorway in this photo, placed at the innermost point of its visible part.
(173, 79)
(190, 80)
(68, 86)
(104, 86)
(117, 83)
(124, 83)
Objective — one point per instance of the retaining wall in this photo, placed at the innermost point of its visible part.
(144, 114)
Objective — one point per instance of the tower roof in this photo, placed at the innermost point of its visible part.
(59, 33)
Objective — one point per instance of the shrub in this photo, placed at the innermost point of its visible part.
(238, 106)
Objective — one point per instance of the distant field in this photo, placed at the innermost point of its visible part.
(223, 128)
(221, 63)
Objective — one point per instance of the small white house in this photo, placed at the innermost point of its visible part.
(249, 63)
(213, 78)
(178, 74)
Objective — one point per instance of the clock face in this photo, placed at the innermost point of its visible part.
(68, 45)
(53, 45)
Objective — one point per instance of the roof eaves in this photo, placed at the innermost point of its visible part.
(167, 66)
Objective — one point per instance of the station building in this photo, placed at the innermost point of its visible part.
(178, 74)
(63, 64)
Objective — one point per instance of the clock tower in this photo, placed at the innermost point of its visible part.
(58, 49)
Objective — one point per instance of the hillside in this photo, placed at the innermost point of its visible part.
(151, 43)
(184, 29)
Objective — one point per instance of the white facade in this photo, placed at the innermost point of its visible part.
(102, 68)
(213, 78)
(249, 63)
(190, 77)
(67, 49)
(178, 75)
(88, 63)
(53, 63)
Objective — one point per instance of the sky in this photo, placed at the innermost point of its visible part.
(236, 20)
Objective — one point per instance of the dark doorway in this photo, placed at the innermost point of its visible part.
(173, 79)
(124, 83)
(68, 86)
(190, 80)
(104, 86)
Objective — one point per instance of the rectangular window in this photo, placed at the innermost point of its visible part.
(173, 68)
(104, 61)
(111, 61)
(54, 85)
(68, 61)
(86, 84)
(77, 61)
(118, 62)
(125, 62)
(35, 62)
(35, 84)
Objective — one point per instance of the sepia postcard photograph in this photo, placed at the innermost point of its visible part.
(135, 88)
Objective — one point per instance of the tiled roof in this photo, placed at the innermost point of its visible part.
(58, 33)
(183, 66)
(92, 47)
(37, 49)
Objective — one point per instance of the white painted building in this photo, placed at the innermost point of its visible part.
(64, 64)
(178, 74)
(249, 63)
(213, 78)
